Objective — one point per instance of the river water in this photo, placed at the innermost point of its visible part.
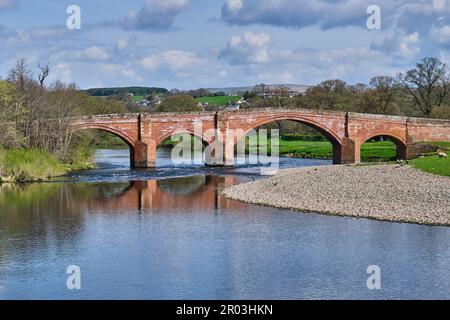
(167, 233)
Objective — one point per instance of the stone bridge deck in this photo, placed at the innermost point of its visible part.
(345, 130)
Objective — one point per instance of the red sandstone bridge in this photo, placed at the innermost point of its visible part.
(347, 132)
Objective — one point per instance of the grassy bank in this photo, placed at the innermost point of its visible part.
(371, 151)
(29, 165)
(433, 163)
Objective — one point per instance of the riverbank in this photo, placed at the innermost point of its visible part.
(397, 193)
(380, 151)
(29, 166)
(34, 165)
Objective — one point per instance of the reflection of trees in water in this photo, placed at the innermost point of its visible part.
(183, 186)
(106, 191)
(34, 215)
(34, 218)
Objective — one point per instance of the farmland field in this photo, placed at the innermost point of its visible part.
(138, 98)
(219, 101)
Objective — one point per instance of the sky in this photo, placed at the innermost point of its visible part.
(188, 44)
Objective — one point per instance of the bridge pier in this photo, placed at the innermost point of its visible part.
(143, 155)
(346, 152)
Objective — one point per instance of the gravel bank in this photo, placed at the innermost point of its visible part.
(381, 192)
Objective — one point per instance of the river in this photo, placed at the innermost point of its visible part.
(167, 233)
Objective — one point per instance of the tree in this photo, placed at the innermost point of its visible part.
(381, 94)
(20, 74)
(10, 109)
(427, 84)
(179, 103)
(45, 71)
(247, 95)
(282, 97)
(329, 95)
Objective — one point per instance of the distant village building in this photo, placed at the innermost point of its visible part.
(143, 103)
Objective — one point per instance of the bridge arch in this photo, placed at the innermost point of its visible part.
(178, 132)
(400, 143)
(330, 135)
(118, 133)
(122, 135)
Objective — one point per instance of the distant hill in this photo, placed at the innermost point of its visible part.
(237, 90)
(137, 91)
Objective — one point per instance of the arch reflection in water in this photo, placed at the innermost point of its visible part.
(190, 193)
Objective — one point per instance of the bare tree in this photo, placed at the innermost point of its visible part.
(381, 93)
(427, 84)
(45, 71)
(282, 97)
(20, 74)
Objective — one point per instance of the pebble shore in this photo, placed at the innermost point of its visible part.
(397, 193)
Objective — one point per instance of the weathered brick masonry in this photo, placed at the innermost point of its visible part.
(346, 131)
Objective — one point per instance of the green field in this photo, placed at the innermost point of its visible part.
(434, 164)
(371, 151)
(138, 98)
(218, 101)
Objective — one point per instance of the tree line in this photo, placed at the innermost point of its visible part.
(421, 91)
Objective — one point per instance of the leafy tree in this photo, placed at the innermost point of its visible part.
(329, 95)
(179, 103)
(10, 111)
(427, 84)
(381, 95)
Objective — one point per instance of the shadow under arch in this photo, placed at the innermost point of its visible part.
(401, 146)
(178, 133)
(196, 158)
(331, 136)
(124, 137)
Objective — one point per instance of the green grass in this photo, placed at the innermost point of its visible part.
(443, 145)
(379, 151)
(371, 151)
(307, 149)
(28, 165)
(138, 98)
(218, 101)
(433, 164)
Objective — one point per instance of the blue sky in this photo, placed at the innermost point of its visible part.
(213, 43)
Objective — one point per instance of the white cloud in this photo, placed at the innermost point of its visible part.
(95, 53)
(398, 45)
(60, 72)
(173, 60)
(125, 43)
(413, 24)
(248, 48)
(296, 13)
(441, 35)
(155, 14)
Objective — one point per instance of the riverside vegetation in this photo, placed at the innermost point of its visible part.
(36, 141)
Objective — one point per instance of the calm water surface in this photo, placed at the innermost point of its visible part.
(167, 233)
